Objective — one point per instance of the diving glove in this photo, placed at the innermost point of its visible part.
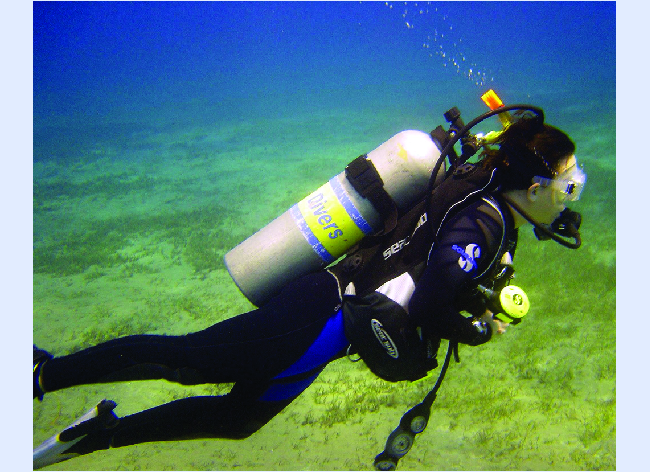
(53, 450)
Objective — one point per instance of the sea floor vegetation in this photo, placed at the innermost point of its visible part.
(130, 239)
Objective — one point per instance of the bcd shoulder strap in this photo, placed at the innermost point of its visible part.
(467, 183)
(364, 178)
(405, 249)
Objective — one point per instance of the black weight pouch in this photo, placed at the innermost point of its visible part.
(383, 334)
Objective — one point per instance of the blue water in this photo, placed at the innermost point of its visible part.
(165, 133)
(233, 60)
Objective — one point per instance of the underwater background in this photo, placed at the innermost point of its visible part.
(166, 133)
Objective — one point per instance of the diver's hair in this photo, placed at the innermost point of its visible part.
(527, 149)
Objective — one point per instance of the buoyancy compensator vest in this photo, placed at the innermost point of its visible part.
(377, 260)
(379, 277)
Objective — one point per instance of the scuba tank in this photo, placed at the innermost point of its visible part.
(363, 200)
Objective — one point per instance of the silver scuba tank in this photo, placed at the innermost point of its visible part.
(319, 229)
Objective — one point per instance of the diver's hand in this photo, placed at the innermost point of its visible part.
(498, 327)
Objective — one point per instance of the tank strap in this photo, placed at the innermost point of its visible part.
(364, 178)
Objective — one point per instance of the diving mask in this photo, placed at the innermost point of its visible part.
(569, 183)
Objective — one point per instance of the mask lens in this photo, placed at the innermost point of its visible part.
(571, 182)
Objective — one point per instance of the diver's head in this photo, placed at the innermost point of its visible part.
(537, 170)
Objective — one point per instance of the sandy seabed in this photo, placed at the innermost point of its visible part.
(129, 238)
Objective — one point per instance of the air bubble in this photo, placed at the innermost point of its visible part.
(448, 47)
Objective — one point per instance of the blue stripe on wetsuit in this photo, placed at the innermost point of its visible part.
(329, 343)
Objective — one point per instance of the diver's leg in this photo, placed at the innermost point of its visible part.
(257, 344)
(232, 416)
(247, 408)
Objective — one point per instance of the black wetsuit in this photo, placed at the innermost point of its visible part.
(275, 352)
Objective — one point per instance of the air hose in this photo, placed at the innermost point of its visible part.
(465, 129)
(413, 422)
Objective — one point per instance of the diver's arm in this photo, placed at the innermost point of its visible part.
(434, 304)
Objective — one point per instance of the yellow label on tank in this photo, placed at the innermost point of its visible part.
(402, 152)
(329, 221)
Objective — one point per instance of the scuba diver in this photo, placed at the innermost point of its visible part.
(421, 278)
